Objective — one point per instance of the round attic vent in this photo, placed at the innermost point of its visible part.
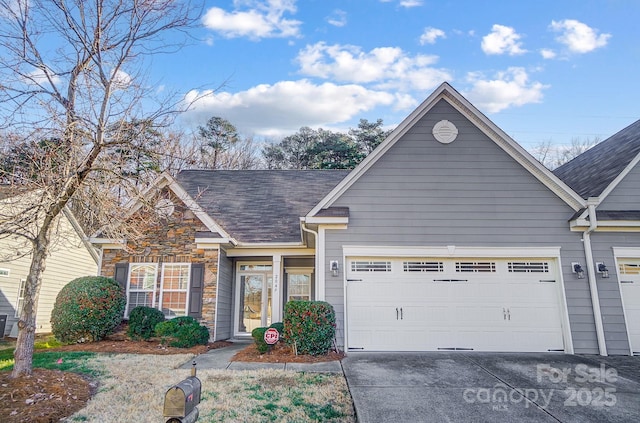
(165, 207)
(445, 132)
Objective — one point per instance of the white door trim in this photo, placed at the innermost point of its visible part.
(624, 253)
(463, 251)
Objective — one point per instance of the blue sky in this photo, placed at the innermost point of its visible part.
(541, 70)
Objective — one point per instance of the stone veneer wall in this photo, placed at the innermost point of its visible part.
(173, 242)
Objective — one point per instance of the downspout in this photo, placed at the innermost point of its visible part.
(591, 274)
(316, 272)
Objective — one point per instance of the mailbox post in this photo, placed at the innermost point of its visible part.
(180, 400)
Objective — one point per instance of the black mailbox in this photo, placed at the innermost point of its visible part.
(180, 401)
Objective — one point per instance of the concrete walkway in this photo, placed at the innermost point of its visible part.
(221, 359)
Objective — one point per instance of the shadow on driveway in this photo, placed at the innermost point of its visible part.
(493, 387)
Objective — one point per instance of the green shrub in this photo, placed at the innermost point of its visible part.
(87, 309)
(182, 332)
(143, 321)
(310, 325)
(258, 338)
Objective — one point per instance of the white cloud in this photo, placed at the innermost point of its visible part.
(282, 108)
(39, 77)
(547, 53)
(578, 37)
(337, 18)
(121, 79)
(384, 67)
(430, 35)
(259, 20)
(501, 40)
(510, 88)
(410, 3)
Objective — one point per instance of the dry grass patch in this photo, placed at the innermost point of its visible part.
(132, 388)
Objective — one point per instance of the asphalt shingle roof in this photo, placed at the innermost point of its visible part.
(592, 171)
(259, 205)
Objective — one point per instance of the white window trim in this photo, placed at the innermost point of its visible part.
(300, 271)
(21, 289)
(129, 290)
(622, 254)
(187, 289)
(5, 273)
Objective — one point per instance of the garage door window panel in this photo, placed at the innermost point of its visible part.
(476, 266)
(371, 266)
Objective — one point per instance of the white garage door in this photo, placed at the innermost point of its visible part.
(453, 304)
(630, 286)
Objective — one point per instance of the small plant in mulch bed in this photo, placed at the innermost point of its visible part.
(143, 321)
(182, 332)
(309, 326)
(258, 336)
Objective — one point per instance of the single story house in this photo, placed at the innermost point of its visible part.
(448, 236)
(71, 256)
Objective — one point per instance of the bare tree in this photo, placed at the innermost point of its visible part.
(72, 72)
(553, 156)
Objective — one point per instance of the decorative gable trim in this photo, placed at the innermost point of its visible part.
(449, 94)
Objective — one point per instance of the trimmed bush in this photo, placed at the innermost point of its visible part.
(182, 332)
(310, 325)
(143, 321)
(87, 309)
(258, 337)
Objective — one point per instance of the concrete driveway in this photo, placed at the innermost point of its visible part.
(493, 387)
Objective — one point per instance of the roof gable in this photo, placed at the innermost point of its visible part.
(598, 170)
(447, 93)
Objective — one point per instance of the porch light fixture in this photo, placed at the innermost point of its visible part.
(602, 269)
(333, 265)
(578, 270)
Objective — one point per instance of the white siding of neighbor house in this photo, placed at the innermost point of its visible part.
(224, 309)
(69, 259)
(626, 195)
(467, 193)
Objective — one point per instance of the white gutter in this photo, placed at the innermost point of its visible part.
(315, 256)
(591, 274)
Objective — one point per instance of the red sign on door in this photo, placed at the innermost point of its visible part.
(271, 336)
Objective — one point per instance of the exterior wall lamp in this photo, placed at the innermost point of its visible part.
(578, 270)
(333, 265)
(602, 269)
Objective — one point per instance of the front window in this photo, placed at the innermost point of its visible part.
(175, 282)
(142, 285)
(299, 284)
(165, 289)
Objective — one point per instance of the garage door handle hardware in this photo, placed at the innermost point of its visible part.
(556, 350)
(401, 313)
(504, 314)
(626, 281)
(454, 349)
(354, 280)
(548, 280)
(508, 314)
(396, 313)
(451, 280)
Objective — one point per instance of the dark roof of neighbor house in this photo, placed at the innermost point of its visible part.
(259, 205)
(590, 173)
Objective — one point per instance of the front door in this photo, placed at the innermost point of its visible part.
(253, 309)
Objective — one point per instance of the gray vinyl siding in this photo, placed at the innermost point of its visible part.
(224, 310)
(467, 193)
(626, 196)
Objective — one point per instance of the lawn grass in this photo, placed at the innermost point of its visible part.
(72, 361)
(227, 396)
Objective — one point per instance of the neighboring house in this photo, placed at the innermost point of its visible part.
(71, 257)
(448, 236)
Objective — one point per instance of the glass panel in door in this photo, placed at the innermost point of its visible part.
(252, 304)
